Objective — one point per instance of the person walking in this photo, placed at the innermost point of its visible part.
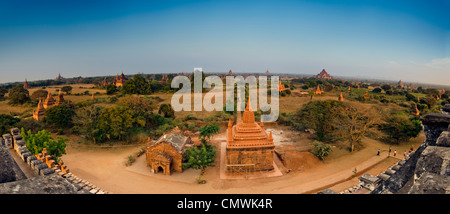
(395, 153)
(404, 154)
(389, 154)
(378, 153)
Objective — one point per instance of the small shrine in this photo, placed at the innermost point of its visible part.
(166, 154)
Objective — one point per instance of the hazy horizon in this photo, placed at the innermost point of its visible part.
(386, 40)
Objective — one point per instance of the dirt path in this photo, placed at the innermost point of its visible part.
(106, 169)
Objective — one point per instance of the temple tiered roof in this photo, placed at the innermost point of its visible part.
(248, 133)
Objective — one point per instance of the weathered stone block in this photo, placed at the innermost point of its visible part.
(38, 168)
(444, 139)
(434, 159)
(383, 176)
(31, 158)
(46, 171)
(26, 155)
(430, 183)
(390, 172)
(34, 163)
(396, 167)
(369, 181)
(15, 131)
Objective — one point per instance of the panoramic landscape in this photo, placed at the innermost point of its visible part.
(157, 98)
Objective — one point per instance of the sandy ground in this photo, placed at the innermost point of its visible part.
(105, 168)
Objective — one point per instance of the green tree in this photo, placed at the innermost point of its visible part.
(39, 94)
(136, 85)
(35, 143)
(67, 89)
(139, 104)
(111, 89)
(399, 128)
(166, 110)
(59, 116)
(376, 90)
(7, 122)
(386, 87)
(115, 122)
(85, 122)
(318, 115)
(3, 91)
(202, 158)
(18, 95)
(354, 121)
(207, 131)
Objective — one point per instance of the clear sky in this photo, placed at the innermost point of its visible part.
(383, 39)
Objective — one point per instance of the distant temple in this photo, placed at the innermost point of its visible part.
(166, 154)
(249, 148)
(26, 85)
(267, 73)
(104, 83)
(38, 114)
(400, 83)
(119, 81)
(230, 73)
(442, 92)
(323, 75)
(59, 77)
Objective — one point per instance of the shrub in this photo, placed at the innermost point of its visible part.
(321, 150)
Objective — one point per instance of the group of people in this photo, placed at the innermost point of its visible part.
(395, 152)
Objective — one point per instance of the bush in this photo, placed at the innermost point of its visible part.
(321, 150)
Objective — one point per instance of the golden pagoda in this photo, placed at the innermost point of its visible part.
(38, 114)
(249, 148)
(49, 101)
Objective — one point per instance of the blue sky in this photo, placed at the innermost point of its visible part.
(392, 40)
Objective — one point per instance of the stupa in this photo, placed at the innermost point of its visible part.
(415, 111)
(281, 87)
(49, 101)
(26, 85)
(60, 99)
(38, 114)
(249, 147)
(341, 98)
